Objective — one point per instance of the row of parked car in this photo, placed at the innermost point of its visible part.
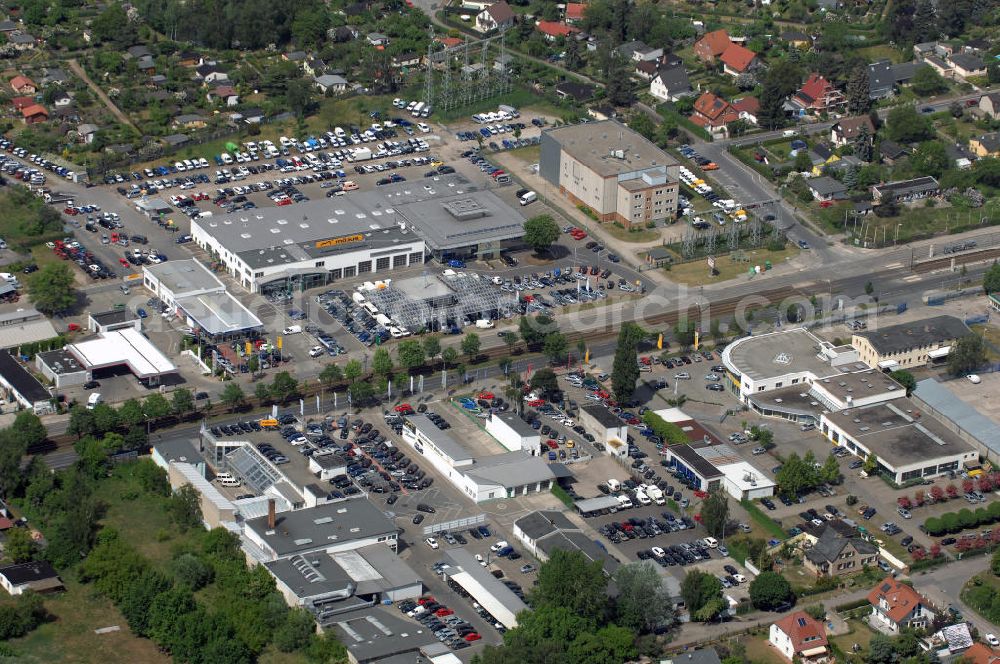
(498, 174)
(441, 621)
(35, 176)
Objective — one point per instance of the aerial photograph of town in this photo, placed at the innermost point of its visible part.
(500, 332)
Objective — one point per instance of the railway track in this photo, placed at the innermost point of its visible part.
(962, 259)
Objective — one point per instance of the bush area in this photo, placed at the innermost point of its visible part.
(954, 522)
(669, 433)
(982, 593)
(25, 219)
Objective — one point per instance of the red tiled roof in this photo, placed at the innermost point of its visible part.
(21, 81)
(574, 11)
(449, 42)
(737, 57)
(980, 653)
(799, 627)
(717, 42)
(554, 29)
(714, 110)
(900, 598)
(816, 86)
(5, 523)
(749, 105)
(34, 109)
(501, 12)
(22, 102)
(225, 91)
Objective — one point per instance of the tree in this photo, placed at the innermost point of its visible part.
(544, 380)
(830, 472)
(233, 396)
(471, 345)
(796, 475)
(625, 369)
(906, 125)
(51, 288)
(642, 602)
(930, 158)
(432, 346)
(881, 650)
(534, 330)
(155, 406)
(331, 375)
(381, 362)
(863, 145)
(803, 162)
(540, 232)
(769, 591)
(296, 630)
(185, 507)
(781, 80)
(511, 339)
(700, 590)
(858, 91)
(968, 354)
(130, 413)
(925, 26)
(182, 401)
(555, 347)
(410, 354)
(715, 512)
(991, 280)
(191, 571)
(567, 579)
(19, 545)
(262, 392)
(352, 371)
(283, 386)
(81, 421)
(448, 356)
(112, 25)
(28, 429)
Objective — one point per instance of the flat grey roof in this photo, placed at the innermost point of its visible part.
(26, 331)
(899, 432)
(940, 398)
(178, 449)
(915, 334)
(794, 399)
(219, 313)
(603, 416)
(859, 384)
(372, 634)
(441, 439)
(695, 461)
(511, 469)
(61, 361)
(323, 525)
(541, 523)
(575, 540)
(591, 143)
(465, 560)
(596, 504)
(125, 315)
(519, 426)
(183, 276)
(778, 353)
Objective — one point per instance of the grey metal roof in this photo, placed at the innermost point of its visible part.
(373, 634)
(830, 544)
(826, 186)
(696, 462)
(21, 380)
(915, 334)
(467, 562)
(125, 315)
(592, 142)
(15, 334)
(596, 504)
(178, 449)
(324, 525)
(441, 439)
(519, 426)
(219, 313)
(575, 540)
(702, 656)
(940, 398)
(184, 276)
(511, 469)
(603, 416)
(541, 523)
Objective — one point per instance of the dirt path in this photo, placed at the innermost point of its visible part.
(117, 112)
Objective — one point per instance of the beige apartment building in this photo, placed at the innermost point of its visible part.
(621, 176)
(909, 345)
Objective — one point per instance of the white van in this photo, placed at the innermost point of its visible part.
(614, 484)
(624, 503)
(292, 329)
(484, 324)
(528, 197)
(642, 498)
(93, 400)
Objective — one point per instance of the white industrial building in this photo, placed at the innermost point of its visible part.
(712, 466)
(513, 433)
(483, 587)
(606, 428)
(481, 479)
(546, 531)
(199, 298)
(79, 362)
(365, 232)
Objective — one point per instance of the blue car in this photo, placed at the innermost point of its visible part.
(485, 132)
(141, 313)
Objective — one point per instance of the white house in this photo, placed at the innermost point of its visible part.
(670, 83)
(513, 433)
(896, 605)
(37, 576)
(798, 635)
(328, 82)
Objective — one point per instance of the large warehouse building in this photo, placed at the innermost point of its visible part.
(611, 169)
(364, 232)
(910, 345)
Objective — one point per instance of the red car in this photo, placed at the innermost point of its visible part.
(553, 445)
(425, 600)
(404, 409)
(71, 211)
(486, 395)
(442, 612)
(285, 201)
(700, 494)
(535, 403)
(124, 262)
(472, 637)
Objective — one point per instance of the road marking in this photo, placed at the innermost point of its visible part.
(914, 277)
(893, 266)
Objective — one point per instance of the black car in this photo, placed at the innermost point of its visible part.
(418, 518)
(91, 384)
(423, 507)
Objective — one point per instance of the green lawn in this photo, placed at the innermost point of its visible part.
(529, 155)
(882, 51)
(913, 222)
(763, 521)
(634, 235)
(860, 633)
(695, 273)
(139, 516)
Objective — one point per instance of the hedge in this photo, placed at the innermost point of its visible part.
(953, 522)
(669, 433)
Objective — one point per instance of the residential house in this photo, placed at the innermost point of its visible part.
(710, 110)
(253, 116)
(87, 132)
(896, 605)
(818, 95)
(189, 59)
(797, 39)
(798, 635)
(579, 92)
(20, 103)
(377, 39)
(498, 16)
(8, 26)
(961, 156)
(985, 145)
(670, 83)
(846, 131)
(639, 52)
(295, 56)
(157, 80)
(990, 105)
(738, 60)
(62, 99)
(449, 42)
(504, 62)
(825, 188)
(190, 121)
(23, 85)
(314, 67)
(940, 66)
(837, 551)
(346, 33)
(146, 64)
(659, 256)
(138, 51)
(981, 653)
(34, 113)
(176, 140)
(646, 69)
(891, 152)
(885, 78)
(405, 60)
(553, 30)
(924, 49)
(748, 108)
(331, 82)
(904, 191)
(226, 94)
(574, 12)
(208, 74)
(37, 576)
(22, 41)
(54, 76)
(968, 64)
(712, 45)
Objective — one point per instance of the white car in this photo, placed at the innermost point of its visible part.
(423, 127)
(974, 379)
(480, 559)
(316, 351)
(658, 552)
(992, 640)
(431, 542)
(739, 578)
(499, 545)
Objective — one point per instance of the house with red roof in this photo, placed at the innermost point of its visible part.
(712, 45)
(737, 59)
(553, 29)
(711, 110)
(896, 605)
(574, 12)
(980, 653)
(23, 85)
(818, 95)
(748, 108)
(22, 102)
(34, 114)
(798, 635)
(449, 42)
